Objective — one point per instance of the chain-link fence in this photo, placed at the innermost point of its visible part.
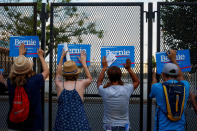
(177, 29)
(100, 24)
(16, 19)
(121, 25)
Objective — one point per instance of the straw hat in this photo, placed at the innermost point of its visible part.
(21, 65)
(70, 68)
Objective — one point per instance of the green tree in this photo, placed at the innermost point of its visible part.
(179, 25)
(72, 27)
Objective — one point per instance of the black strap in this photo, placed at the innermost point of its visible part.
(63, 83)
(75, 84)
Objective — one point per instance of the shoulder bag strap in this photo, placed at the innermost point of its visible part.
(63, 83)
(75, 84)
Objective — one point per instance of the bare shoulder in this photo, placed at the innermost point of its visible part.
(83, 83)
(80, 82)
(58, 80)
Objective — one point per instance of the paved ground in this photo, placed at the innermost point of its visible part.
(95, 114)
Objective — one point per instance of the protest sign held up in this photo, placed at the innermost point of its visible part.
(120, 52)
(182, 58)
(74, 51)
(1, 71)
(31, 44)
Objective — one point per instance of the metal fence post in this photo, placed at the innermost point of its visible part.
(158, 27)
(51, 71)
(150, 15)
(141, 66)
(35, 33)
(43, 43)
(92, 98)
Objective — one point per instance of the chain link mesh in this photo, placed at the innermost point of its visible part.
(121, 27)
(182, 16)
(16, 20)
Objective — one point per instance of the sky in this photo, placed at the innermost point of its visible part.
(145, 24)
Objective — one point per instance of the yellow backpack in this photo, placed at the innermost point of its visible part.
(175, 99)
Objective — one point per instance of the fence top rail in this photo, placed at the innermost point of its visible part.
(100, 4)
(176, 3)
(18, 4)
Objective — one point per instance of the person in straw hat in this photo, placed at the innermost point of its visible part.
(71, 115)
(22, 75)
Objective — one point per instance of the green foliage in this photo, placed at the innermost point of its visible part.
(17, 23)
(74, 25)
(179, 25)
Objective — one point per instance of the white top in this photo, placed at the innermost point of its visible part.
(116, 104)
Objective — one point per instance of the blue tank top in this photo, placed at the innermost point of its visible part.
(71, 115)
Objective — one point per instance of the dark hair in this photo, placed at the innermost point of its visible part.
(71, 78)
(171, 76)
(20, 79)
(114, 75)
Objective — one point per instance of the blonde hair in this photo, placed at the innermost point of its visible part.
(20, 79)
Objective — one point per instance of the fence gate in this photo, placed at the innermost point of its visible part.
(181, 14)
(172, 19)
(122, 25)
(16, 19)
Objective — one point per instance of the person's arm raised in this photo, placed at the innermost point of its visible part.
(2, 80)
(59, 78)
(59, 68)
(154, 79)
(102, 74)
(172, 56)
(193, 100)
(82, 59)
(22, 49)
(134, 77)
(45, 68)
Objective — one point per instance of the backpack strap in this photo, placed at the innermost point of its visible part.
(169, 112)
(63, 83)
(75, 84)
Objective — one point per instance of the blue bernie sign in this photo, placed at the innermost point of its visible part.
(182, 58)
(74, 51)
(1, 71)
(121, 53)
(31, 45)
